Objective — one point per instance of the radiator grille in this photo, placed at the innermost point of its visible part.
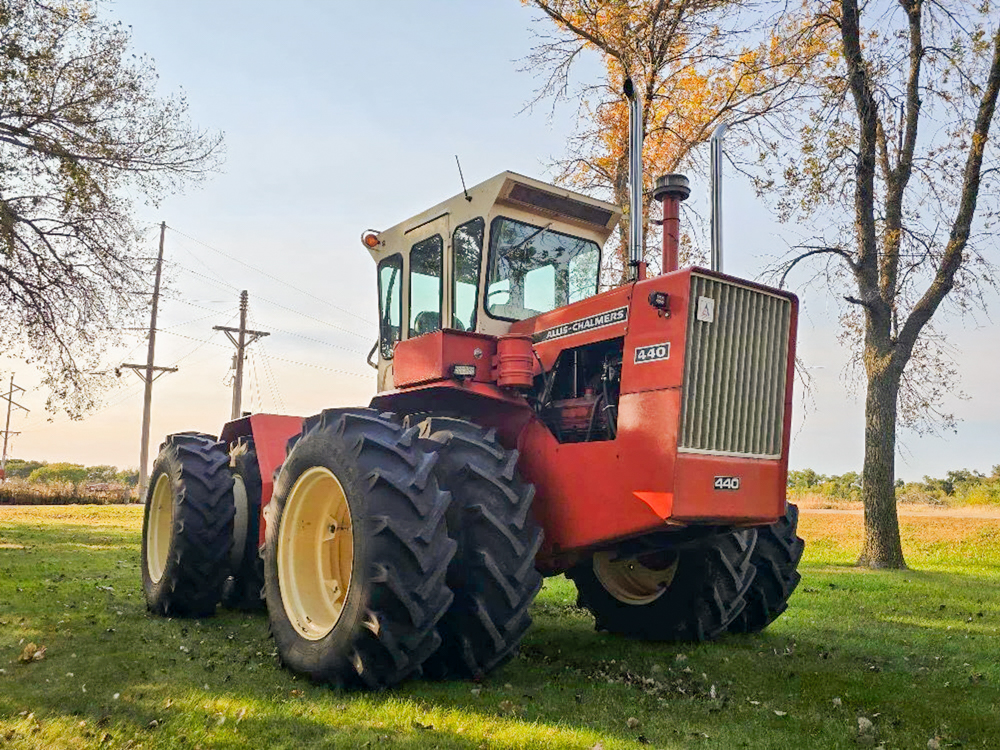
(735, 368)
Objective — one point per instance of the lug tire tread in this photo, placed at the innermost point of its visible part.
(707, 593)
(244, 588)
(493, 574)
(776, 558)
(201, 536)
(406, 594)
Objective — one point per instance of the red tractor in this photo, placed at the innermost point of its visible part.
(526, 425)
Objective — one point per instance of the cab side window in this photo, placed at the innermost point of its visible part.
(390, 302)
(426, 262)
(467, 248)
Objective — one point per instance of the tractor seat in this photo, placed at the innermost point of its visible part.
(426, 322)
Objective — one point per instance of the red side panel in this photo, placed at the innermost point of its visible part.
(271, 433)
(650, 329)
(584, 490)
(593, 493)
(759, 499)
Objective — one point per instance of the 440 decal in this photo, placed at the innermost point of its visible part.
(726, 483)
(652, 353)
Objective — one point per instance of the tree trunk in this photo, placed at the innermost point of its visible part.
(882, 547)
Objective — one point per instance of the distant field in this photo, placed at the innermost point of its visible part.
(912, 655)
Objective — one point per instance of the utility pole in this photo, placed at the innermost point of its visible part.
(241, 343)
(149, 372)
(9, 396)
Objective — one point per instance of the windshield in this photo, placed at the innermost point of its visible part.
(534, 269)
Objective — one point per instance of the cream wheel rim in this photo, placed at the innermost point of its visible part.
(315, 553)
(631, 582)
(158, 528)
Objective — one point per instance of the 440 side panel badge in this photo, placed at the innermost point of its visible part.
(652, 353)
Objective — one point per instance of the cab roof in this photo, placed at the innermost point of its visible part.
(515, 191)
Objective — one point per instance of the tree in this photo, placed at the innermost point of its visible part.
(19, 469)
(895, 161)
(82, 136)
(689, 72)
(128, 477)
(103, 473)
(59, 472)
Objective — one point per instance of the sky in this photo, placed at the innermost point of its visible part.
(339, 117)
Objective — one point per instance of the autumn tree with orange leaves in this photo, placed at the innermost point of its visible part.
(686, 74)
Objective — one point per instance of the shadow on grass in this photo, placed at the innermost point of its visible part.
(137, 683)
(881, 643)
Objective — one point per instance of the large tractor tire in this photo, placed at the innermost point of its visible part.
(690, 595)
(493, 574)
(776, 557)
(244, 588)
(356, 551)
(187, 526)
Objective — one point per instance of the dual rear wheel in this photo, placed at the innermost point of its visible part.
(357, 551)
(187, 526)
(395, 550)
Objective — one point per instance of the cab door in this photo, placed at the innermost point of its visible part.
(418, 275)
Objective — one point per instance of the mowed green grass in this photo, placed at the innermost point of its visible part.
(913, 652)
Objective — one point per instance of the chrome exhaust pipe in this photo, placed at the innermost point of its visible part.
(716, 145)
(635, 244)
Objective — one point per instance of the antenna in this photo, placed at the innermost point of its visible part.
(462, 178)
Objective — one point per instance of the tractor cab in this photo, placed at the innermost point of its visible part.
(506, 250)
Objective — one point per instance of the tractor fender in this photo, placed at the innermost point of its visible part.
(270, 433)
(505, 410)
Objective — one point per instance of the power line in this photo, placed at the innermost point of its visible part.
(272, 277)
(197, 348)
(272, 381)
(272, 302)
(212, 314)
(316, 341)
(255, 385)
(189, 303)
(193, 338)
(280, 359)
(135, 390)
(322, 367)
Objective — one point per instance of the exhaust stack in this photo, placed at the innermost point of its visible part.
(635, 244)
(671, 189)
(716, 144)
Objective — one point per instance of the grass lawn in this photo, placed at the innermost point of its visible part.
(912, 654)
